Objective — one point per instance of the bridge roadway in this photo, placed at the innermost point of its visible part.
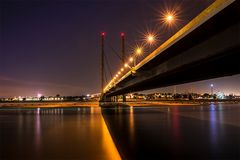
(207, 47)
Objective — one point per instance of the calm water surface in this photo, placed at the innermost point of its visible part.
(186, 132)
(67, 133)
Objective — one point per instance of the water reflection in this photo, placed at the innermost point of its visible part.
(59, 133)
(213, 124)
(200, 132)
(192, 132)
(37, 131)
(131, 122)
(176, 125)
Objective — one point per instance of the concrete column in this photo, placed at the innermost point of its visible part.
(112, 99)
(124, 98)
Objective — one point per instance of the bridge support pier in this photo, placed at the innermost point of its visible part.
(124, 97)
(106, 99)
(112, 99)
(116, 99)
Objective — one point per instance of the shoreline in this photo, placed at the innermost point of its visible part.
(143, 104)
(48, 104)
(96, 104)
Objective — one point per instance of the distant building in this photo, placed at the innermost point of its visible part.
(220, 95)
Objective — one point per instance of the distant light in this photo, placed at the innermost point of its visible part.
(220, 95)
(122, 34)
(116, 75)
(211, 85)
(88, 95)
(125, 65)
(39, 95)
(119, 72)
(150, 38)
(169, 18)
(139, 50)
(130, 59)
(122, 69)
(103, 33)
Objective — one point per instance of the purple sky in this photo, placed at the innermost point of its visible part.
(53, 47)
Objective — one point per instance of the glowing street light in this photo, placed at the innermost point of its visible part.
(125, 65)
(169, 18)
(139, 51)
(122, 69)
(150, 38)
(131, 59)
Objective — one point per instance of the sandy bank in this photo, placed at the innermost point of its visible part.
(49, 104)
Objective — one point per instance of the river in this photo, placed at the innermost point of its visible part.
(94, 133)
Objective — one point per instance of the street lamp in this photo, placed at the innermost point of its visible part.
(138, 51)
(150, 38)
(169, 18)
(131, 59)
(211, 89)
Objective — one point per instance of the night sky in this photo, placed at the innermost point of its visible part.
(53, 46)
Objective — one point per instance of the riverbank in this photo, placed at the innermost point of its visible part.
(165, 103)
(156, 103)
(179, 103)
(96, 104)
(49, 104)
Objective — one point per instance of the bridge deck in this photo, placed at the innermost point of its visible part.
(200, 50)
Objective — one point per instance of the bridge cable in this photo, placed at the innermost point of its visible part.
(115, 52)
(105, 80)
(108, 66)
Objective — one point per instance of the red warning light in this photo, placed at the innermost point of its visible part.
(122, 34)
(103, 33)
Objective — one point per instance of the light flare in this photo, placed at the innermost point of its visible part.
(170, 17)
(131, 59)
(138, 51)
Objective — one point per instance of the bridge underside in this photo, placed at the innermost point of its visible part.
(212, 50)
(220, 66)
